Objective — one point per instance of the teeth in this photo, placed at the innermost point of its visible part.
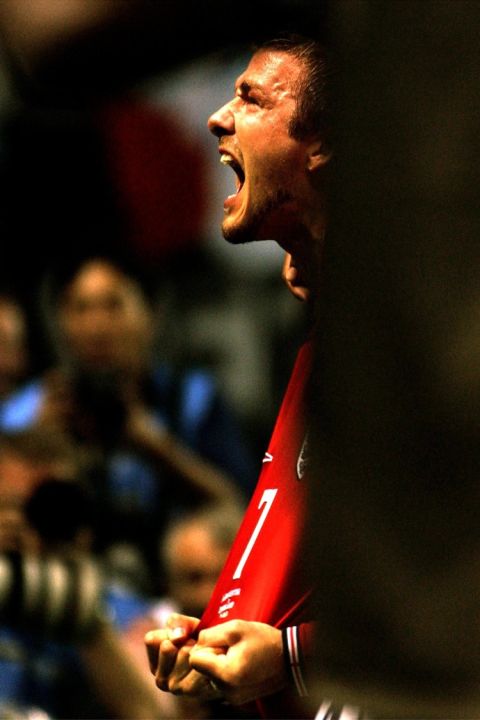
(226, 159)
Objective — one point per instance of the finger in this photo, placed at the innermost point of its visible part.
(219, 636)
(180, 627)
(179, 678)
(152, 640)
(167, 658)
(179, 620)
(180, 671)
(209, 662)
(197, 685)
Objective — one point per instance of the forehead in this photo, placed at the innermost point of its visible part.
(272, 71)
(96, 279)
(10, 316)
(96, 274)
(98, 284)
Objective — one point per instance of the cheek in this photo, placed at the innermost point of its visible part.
(280, 167)
(77, 328)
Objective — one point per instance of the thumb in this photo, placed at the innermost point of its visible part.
(180, 627)
(218, 636)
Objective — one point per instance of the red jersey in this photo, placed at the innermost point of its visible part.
(262, 579)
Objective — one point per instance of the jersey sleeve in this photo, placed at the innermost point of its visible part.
(298, 649)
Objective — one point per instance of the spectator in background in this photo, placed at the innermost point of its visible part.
(26, 460)
(193, 550)
(13, 345)
(153, 439)
(60, 619)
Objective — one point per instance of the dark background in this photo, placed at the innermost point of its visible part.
(67, 64)
(87, 165)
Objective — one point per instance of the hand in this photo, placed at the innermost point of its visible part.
(178, 629)
(143, 429)
(292, 277)
(169, 658)
(244, 660)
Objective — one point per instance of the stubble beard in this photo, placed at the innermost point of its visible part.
(259, 224)
(238, 234)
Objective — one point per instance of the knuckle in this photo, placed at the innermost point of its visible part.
(183, 655)
(161, 683)
(235, 629)
(174, 687)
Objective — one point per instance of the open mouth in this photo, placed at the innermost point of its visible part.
(227, 159)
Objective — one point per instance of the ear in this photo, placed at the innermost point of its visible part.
(318, 154)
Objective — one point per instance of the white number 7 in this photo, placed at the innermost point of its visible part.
(267, 500)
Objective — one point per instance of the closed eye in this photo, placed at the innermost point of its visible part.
(245, 93)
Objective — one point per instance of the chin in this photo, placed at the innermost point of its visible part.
(237, 235)
(247, 229)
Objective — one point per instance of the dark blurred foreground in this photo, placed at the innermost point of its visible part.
(396, 393)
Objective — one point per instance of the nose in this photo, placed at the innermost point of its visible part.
(222, 121)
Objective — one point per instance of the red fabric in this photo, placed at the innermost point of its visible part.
(159, 176)
(272, 587)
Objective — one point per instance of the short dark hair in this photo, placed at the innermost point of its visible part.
(312, 115)
(58, 279)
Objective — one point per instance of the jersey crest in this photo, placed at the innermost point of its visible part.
(303, 458)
